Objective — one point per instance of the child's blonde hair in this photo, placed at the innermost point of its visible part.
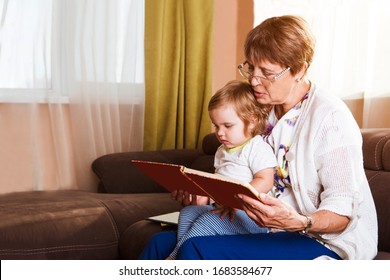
(239, 94)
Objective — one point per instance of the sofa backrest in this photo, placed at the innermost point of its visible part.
(117, 174)
(205, 162)
(376, 154)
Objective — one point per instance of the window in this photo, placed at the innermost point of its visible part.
(25, 57)
(44, 44)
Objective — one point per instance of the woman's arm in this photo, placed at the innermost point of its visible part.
(274, 213)
(324, 221)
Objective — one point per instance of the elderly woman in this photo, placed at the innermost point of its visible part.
(320, 205)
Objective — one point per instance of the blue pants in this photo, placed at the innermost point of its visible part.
(261, 246)
(200, 221)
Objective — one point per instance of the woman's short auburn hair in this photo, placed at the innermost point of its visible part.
(285, 40)
(239, 95)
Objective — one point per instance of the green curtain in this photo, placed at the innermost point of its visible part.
(178, 72)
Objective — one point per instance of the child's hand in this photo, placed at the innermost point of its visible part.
(224, 211)
(189, 199)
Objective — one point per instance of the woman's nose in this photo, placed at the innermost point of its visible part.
(255, 81)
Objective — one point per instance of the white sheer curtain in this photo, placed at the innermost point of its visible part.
(71, 89)
(352, 54)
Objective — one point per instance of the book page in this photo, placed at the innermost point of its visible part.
(168, 219)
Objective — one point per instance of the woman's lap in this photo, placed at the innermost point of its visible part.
(269, 246)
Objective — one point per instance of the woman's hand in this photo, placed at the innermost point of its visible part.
(185, 199)
(273, 213)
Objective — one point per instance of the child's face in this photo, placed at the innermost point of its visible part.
(229, 128)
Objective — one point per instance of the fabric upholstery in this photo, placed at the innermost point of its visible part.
(376, 154)
(72, 224)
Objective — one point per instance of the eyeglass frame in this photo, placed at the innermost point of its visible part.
(249, 76)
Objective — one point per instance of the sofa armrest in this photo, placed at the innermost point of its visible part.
(376, 154)
(117, 174)
(376, 148)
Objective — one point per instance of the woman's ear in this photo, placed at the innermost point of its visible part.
(299, 76)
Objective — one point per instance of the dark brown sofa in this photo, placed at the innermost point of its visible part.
(110, 224)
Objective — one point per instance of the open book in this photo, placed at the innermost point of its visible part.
(221, 189)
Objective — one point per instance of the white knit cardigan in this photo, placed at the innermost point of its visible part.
(326, 172)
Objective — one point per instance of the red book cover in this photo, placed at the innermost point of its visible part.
(224, 190)
(177, 177)
(169, 176)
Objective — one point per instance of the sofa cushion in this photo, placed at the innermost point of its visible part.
(72, 224)
(55, 225)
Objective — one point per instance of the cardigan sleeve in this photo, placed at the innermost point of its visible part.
(339, 161)
(337, 153)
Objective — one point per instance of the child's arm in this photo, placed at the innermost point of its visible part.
(263, 180)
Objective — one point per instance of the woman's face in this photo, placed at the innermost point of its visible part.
(270, 91)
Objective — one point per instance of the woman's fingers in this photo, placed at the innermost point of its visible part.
(254, 215)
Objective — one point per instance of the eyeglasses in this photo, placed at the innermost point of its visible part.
(248, 74)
